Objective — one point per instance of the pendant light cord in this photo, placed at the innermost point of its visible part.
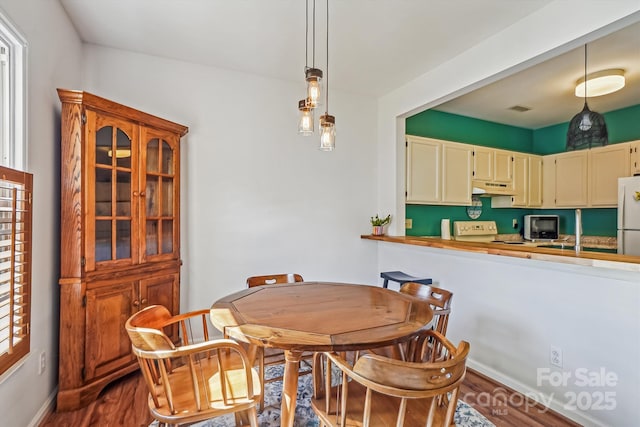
(326, 109)
(313, 58)
(585, 74)
(306, 35)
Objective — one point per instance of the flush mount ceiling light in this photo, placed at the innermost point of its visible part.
(587, 128)
(601, 83)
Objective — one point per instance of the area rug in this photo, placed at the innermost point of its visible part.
(465, 415)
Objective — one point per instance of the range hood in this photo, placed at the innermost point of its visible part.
(484, 188)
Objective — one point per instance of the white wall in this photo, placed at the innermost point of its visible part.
(54, 60)
(257, 198)
(513, 310)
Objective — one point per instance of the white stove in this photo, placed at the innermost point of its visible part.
(475, 231)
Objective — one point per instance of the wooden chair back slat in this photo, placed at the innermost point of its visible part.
(272, 279)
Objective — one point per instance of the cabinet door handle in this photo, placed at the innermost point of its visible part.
(135, 194)
(144, 301)
(136, 303)
(142, 194)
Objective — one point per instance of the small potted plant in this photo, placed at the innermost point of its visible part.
(379, 223)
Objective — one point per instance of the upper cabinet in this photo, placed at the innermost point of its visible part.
(492, 165)
(442, 172)
(132, 212)
(456, 174)
(634, 161)
(424, 157)
(535, 181)
(571, 179)
(606, 165)
(438, 172)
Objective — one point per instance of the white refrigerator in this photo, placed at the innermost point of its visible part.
(629, 215)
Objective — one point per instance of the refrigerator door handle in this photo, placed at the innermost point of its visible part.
(621, 194)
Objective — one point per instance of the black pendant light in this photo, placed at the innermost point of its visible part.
(587, 128)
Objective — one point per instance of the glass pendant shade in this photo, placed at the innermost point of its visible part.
(305, 124)
(587, 129)
(313, 76)
(327, 132)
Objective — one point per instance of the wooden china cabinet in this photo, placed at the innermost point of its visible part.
(120, 236)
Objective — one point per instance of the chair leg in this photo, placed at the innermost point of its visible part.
(262, 376)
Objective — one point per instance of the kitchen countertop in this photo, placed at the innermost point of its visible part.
(567, 256)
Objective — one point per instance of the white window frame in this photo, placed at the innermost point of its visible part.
(13, 111)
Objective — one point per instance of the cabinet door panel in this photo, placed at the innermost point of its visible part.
(534, 184)
(483, 164)
(456, 174)
(162, 291)
(108, 347)
(634, 162)
(423, 171)
(160, 208)
(502, 166)
(606, 165)
(520, 180)
(571, 179)
(110, 218)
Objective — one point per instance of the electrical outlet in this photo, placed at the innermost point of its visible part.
(42, 363)
(515, 224)
(408, 223)
(555, 356)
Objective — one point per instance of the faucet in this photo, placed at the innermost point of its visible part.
(578, 229)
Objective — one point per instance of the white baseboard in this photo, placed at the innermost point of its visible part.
(46, 408)
(577, 415)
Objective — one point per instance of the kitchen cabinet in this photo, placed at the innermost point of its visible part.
(424, 157)
(482, 164)
(571, 179)
(634, 157)
(527, 183)
(492, 165)
(606, 165)
(438, 172)
(534, 181)
(456, 173)
(120, 236)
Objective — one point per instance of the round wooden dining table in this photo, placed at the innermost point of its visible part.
(317, 316)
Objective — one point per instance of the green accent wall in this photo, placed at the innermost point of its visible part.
(452, 127)
(622, 125)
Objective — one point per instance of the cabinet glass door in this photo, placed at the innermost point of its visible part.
(160, 206)
(112, 178)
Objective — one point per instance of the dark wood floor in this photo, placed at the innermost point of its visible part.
(124, 404)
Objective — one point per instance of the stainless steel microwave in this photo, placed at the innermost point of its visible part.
(541, 227)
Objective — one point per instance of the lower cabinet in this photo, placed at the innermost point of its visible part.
(95, 347)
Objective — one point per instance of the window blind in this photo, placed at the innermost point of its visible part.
(15, 265)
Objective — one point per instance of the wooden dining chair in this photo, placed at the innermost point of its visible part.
(197, 378)
(274, 356)
(381, 391)
(440, 301)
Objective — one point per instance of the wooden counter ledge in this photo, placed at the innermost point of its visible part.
(566, 256)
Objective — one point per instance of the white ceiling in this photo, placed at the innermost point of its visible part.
(375, 46)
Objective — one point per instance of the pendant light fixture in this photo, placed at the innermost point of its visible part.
(327, 122)
(313, 76)
(587, 128)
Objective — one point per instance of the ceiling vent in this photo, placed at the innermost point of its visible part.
(519, 108)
